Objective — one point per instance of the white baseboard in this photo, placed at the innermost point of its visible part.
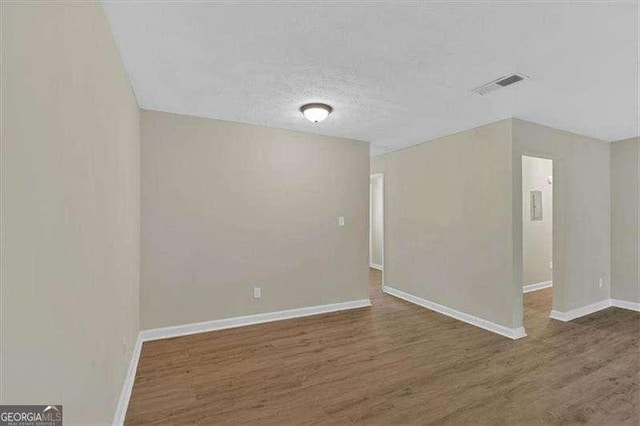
(127, 387)
(594, 307)
(625, 304)
(201, 327)
(580, 312)
(375, 266)
(512, 333)
(537, 286)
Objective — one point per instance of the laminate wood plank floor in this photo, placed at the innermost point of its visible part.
(396, 363)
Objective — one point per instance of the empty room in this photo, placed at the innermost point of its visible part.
(319, 212)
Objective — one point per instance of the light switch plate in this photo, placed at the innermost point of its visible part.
(257, 292)
(341, 221)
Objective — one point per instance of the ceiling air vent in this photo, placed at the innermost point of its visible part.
(499, 84)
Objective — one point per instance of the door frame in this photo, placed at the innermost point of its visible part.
(384, 228)
(556, 208)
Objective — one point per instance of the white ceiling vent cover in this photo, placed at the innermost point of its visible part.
(499, 83)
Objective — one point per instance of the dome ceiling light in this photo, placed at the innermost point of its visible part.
(316, 112)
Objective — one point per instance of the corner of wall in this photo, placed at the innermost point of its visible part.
(516, 224)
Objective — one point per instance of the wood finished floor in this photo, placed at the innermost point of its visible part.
(396, 363)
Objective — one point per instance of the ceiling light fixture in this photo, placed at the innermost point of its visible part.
(315, 113)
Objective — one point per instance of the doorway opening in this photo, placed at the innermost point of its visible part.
(537, 240)
(376, 224)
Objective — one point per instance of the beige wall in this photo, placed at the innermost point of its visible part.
(227, 206)
(376, 220)
(453, 225)
(581, 217)
(537, 235)
(70, 211)
(448, 222)
(625, 205)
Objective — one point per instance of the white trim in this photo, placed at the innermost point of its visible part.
(625, 304)
(201, 327)
(580, 312)
(370, 218)
(127, 387)
(371, 264)
(594, 307)
(537, 286)
(512, 333)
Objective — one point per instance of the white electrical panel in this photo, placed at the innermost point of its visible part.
(536, 205)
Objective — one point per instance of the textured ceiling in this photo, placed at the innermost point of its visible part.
(396, 74)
